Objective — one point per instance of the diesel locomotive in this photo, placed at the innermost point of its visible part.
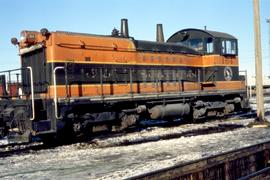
(73, 84)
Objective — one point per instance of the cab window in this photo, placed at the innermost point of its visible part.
(209, 45)
(228, 47)
(203, 45)
(196, 44)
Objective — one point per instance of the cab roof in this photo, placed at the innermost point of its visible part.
(185, 33)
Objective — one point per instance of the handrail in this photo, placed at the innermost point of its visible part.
(55, 90)
(249, 94)
(32, 93)
(11, 70)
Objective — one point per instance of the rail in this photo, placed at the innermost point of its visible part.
(251, 161)
(7, 71)
(16, 92)
(7, 87)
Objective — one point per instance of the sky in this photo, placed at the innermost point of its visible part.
(101, 16)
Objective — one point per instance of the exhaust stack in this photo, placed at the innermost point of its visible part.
(124, 28)
(160, 36)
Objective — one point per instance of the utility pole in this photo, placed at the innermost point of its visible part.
(258, 62)
(268, 21)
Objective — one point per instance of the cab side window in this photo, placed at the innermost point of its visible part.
(209, 45)
(223, 47)
(228, 47)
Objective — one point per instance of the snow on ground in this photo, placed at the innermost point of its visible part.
(266, 103)
(83, 161)
(3, 141)
(159, 133)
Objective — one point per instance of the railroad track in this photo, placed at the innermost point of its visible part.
(251, 162)
(132, 136)
(18, 148)
(153, 123)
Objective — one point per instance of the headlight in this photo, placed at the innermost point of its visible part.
(28, 37)
(23, 37)
(31, 38)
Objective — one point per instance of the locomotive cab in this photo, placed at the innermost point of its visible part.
(216, 47)
(206, 42)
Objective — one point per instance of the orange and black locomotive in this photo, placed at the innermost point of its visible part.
(75, 83)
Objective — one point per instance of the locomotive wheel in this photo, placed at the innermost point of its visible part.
(66, 135)
(188, 118)
(20, 120)
(126, 121)
(22, 123)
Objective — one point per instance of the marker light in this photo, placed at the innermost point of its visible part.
(23, 37)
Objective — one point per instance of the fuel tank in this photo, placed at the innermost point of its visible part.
(169, 110)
